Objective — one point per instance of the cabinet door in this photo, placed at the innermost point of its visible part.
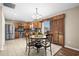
(58, 30)
(26, 26)
(37, 24)
(61, 31)
(55, 32)
(16, 34)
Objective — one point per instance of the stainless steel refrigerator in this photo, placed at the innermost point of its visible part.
(9, 32)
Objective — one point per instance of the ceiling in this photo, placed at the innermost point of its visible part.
(25, 11)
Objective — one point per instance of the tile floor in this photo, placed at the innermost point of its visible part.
(17, 47)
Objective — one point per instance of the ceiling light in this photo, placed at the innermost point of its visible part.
(36, 16)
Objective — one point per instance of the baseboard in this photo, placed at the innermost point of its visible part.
(72, 48)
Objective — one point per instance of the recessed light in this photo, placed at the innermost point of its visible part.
(14, 14)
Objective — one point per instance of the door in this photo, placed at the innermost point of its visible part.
(58, 30)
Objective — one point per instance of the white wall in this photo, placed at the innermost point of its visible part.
(0, 26)
(2, 29)
(71, 27)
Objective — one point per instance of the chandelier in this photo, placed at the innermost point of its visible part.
(36, 16)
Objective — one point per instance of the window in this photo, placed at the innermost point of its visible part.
(46, 26)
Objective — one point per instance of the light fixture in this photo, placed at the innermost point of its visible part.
(36, 16)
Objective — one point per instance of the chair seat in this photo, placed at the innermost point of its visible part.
(46, 45)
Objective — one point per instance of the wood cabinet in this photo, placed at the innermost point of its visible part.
(16, 34)
(37, 24)
(57, 28)
(26, 25)
(16, 25)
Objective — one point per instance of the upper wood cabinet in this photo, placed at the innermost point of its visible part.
(37, 24)
(26, 25)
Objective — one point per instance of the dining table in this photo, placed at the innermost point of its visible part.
(38, 40)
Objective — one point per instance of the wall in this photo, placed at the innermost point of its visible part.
(71, 27)
(0, 26)
(2, 29)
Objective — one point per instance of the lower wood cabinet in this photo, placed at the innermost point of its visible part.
(16, 34)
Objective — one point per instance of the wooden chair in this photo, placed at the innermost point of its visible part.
(29, 43)
(47, 43)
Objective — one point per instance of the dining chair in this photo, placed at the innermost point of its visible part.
(47, 43)
(30, 44)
